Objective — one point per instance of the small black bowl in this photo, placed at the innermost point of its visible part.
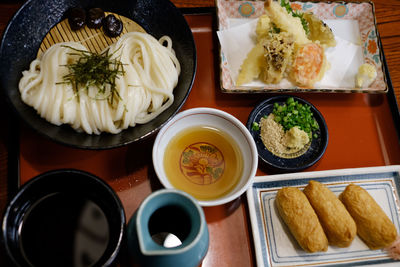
(63, 217)
(275, 163)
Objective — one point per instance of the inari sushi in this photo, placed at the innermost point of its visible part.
(336, 221)
(299, 216)
(373, 225)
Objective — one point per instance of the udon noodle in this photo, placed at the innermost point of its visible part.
(145, 89)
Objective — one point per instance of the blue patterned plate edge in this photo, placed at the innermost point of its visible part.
(268, 229)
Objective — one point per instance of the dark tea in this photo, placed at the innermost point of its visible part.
(64, 229)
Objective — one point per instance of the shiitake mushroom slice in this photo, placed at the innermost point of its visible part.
(95, 18)
(112, 26)
(76, 18)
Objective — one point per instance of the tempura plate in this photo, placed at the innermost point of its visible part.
(275, 245)
(361, 12)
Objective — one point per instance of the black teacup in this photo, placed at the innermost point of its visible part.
(64, 218)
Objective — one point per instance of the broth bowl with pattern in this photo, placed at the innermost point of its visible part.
(207, 153)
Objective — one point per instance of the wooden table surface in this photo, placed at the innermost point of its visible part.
(388, 19)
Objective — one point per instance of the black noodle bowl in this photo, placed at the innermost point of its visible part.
(26, 30)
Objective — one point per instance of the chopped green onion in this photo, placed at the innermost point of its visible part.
(292, 113)
(255, 126)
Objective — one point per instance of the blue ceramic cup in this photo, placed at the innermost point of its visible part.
(168, 212)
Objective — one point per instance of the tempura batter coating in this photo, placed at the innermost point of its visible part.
(286, 22)
(299, 216)
(336, 221)
(373, 225)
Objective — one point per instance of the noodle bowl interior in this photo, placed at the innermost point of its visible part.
(142, 74)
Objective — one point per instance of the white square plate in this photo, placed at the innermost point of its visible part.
(274, 244)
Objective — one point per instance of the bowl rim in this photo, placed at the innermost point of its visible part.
(45, 175)
(280, 98)
(201, 231)
(234, 121)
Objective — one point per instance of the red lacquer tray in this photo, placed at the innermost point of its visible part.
(362, 133)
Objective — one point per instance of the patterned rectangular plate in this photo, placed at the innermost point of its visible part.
(274, 244)
(361, 12)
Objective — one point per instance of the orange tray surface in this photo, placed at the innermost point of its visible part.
(361, 134)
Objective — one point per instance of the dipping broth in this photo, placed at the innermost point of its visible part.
(204, 162)
(63, 229)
